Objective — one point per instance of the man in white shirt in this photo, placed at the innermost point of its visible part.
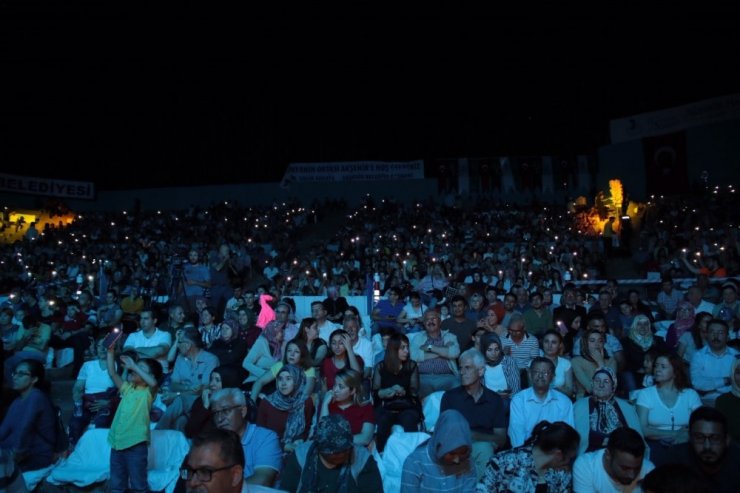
(537, 403)
(618, 468)
(710, 366)
(693, 295)
(149, 341)
(318, 311)
(360, 345)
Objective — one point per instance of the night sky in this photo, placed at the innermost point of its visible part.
(101, 95)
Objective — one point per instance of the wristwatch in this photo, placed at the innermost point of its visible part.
(429, 348)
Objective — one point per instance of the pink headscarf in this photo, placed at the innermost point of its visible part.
(683, 323)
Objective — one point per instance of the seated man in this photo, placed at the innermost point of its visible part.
(149, 341)
(618, 467)
(262, 452)
(482, 408)
(331, 462)
(436, 352)
(709, 451)
(518, 344)
(538, 403)
(216, 462)
(711, 365)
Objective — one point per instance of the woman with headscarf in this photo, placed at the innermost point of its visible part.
(267, 350)
(640, 339)
(331, 463)
(288, 411)
(200, 417)
(501, 374)
(442, 463)
(685, 315)
(601, 413)
(542, 464)
(729, 403)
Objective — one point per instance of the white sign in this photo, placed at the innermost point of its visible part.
(353, 171)
(675, 119)
(47, 186)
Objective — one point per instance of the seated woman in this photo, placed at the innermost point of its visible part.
(344, 399)
(296, 353)
(664, 408)
(200, 418)
(396, 390)
(288, 411)
(552, 349)
(685, 315)
(544, 459)
(693, 340)
(492, 321)
(501, 374)
(639, 341)
(729, 403)
(28, 431)
(410, 317)
(443, 459)
(593, 356)
(94, 394)
(267, 351)
(343, 356)
(597, 416)
(229, 348)
(308, 332)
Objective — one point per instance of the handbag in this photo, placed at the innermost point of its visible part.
(401, 404)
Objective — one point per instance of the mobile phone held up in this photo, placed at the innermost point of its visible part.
(112, 337)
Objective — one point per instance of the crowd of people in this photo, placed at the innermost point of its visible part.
(478, 323)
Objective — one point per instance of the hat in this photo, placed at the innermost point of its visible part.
(333, 434)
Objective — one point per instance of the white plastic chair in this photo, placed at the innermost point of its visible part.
(400, 444)
(431, 409)
(90, 461)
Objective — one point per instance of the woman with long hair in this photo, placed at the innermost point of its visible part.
(664, 408)
(288, 411)
(345, 399)
(593, 356)
(694, 339)
(308, 332)
(492, 321)
(543, 459)
(28, 431)
(343, 356)
(396, 390)
(552, 349)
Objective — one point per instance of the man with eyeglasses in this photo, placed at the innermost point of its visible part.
(710, 451)
(538, 403)
(262, 452)
(216, 464)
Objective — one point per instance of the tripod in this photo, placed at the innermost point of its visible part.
(176, 291)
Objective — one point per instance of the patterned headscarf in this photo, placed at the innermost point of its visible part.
(644, 341)
(294, 403)
(270, 333)
(333, 435)
(604, 417)
(685, 322)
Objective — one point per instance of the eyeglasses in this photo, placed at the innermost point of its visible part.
(714, 439)
(544, 373)
(20, 374)
(202, 475)
(226, 410)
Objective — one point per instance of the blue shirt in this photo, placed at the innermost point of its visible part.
(261, 449)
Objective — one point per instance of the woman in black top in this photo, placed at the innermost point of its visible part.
(396, 390)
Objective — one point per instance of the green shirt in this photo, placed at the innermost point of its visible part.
(131, 423)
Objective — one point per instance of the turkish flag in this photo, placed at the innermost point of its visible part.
(665, 164)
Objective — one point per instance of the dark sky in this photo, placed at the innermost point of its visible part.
(106, 96)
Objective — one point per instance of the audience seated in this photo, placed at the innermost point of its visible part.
(436, 352)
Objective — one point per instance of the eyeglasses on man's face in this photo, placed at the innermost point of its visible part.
(227, 410)
(203, 475)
